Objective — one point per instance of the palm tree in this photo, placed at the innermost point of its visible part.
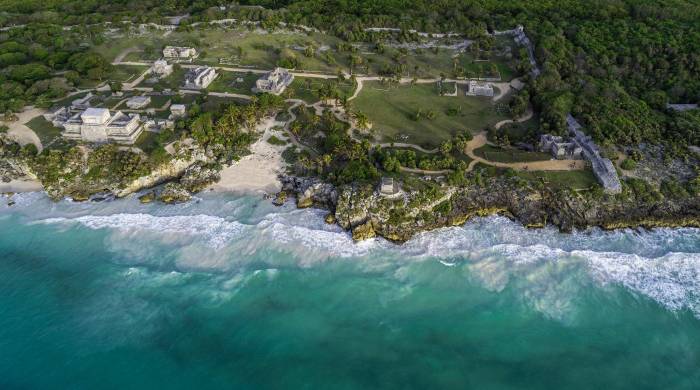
(361, 120)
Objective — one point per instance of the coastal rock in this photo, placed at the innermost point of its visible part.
(199, 176)
(330, 218)
(170, 170)
(353, 206)
(148, 197)
(363, 211)
(174, 193)
(280, 198)
(363, 232)
(310, 191)
(304, 202)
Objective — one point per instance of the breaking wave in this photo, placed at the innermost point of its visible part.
(543, 265)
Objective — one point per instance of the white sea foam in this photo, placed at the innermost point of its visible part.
(544, 266)
(672, 280)
(215, 230)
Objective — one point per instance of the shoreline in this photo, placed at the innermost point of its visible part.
(257, 172)
(19, 186)
(400, 234)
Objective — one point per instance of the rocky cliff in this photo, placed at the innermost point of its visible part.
(363, 211)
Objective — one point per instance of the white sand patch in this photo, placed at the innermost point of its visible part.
(17, 186)
(18, 130)
(257, 172)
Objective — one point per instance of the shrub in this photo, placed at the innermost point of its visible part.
(628, 164)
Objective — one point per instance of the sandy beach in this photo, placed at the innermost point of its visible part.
(20, 186)
(257, 172)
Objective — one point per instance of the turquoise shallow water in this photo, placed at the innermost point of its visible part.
(230, 292)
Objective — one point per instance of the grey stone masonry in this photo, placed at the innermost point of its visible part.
(682, 107)
(520, 38)
(603, 168)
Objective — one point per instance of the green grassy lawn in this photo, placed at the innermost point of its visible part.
(174, 81)
(228, 82)
(125, 73)
(428, 63)
(494, 153)
(46, 131)
(158, 101)
(69, 99)
(578, 180)
(214, 103)
(457, 155)
(110, 102)
(150, 44)
(49, 135)
(147, 141)
(392, 109)
(244, 48)
(521, 132)
(563, 179)
(306, 88)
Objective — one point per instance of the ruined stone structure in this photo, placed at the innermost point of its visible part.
(161, 68)
(603, 168)
(560, 149)
(200, 77)
(178, 110)
(274, 82)
(100, 125)
(682, 107)
(520, 38)
(137, 102)
(180, 53)
(389, 187)
(479, 88)
(82, 103)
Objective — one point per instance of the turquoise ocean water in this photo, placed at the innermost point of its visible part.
(231, 292)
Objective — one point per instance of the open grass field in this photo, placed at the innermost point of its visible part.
(392, 111)
(125, 73)
(522, 131)
(563, 179)
(229, 82)
(494, 153)
(577, 180)
(306, 88)
(44, 129)
(174, 81)
(259, 49)
(49, 135)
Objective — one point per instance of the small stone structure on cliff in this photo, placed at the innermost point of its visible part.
(389, 187)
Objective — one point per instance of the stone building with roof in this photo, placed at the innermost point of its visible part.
(479, 88)
(100, 125)
(180, 53)
(161, 68)
(274, 82)
(200, 77)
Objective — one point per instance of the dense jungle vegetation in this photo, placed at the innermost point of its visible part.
(614, 64)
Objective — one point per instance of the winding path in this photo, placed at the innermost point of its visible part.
(20, 132)
(547, 165)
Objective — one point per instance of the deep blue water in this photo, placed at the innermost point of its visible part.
(231, 292)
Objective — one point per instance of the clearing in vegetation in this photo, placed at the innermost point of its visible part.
(417, 114)
(494, 153)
